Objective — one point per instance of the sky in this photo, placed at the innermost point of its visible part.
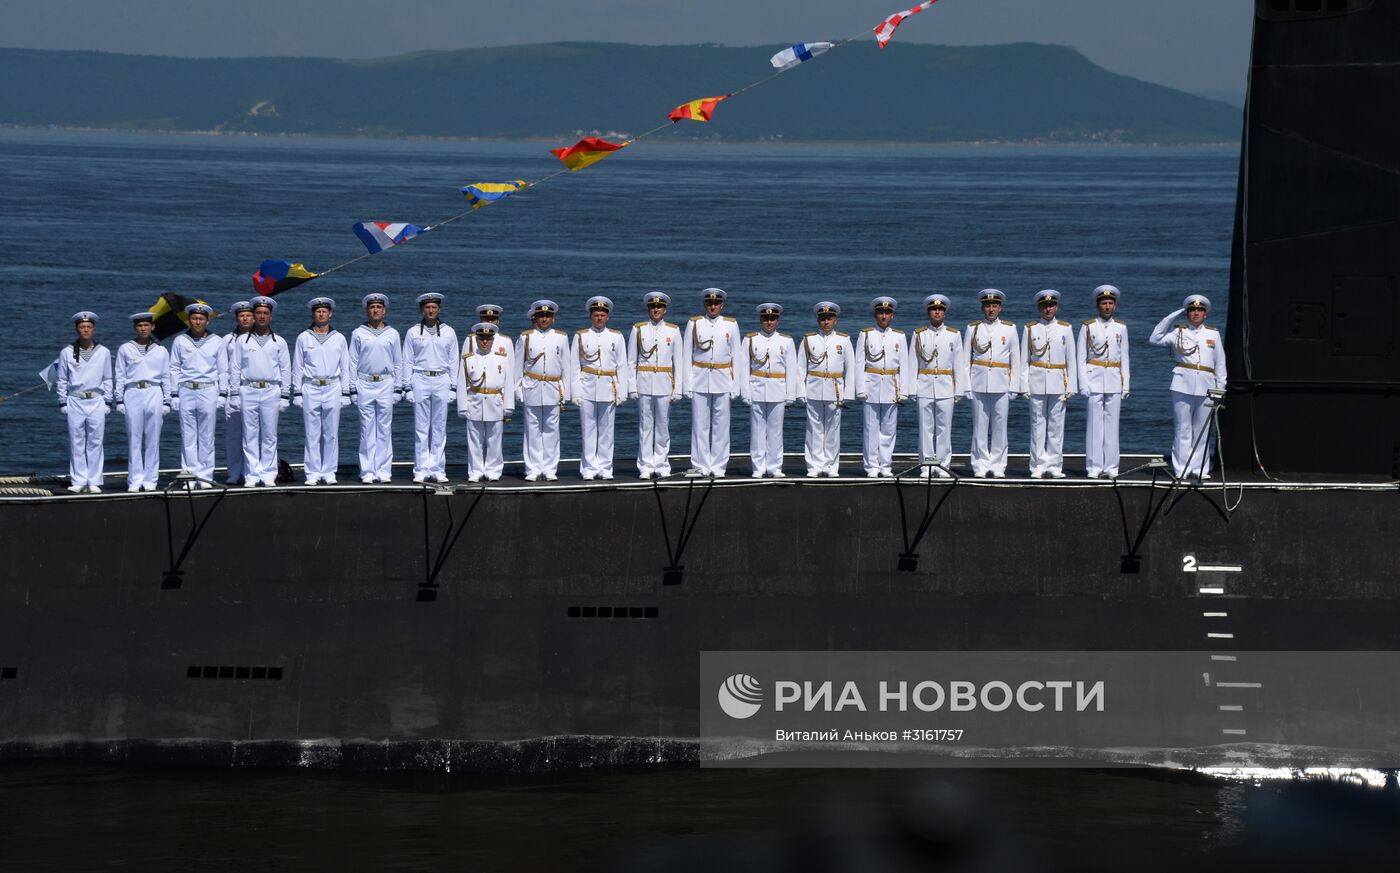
(1195, 45)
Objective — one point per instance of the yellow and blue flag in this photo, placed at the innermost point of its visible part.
(480, 194)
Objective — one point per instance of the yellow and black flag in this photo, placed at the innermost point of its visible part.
(169, 310)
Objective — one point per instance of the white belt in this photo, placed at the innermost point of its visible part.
(376, 377)
(196, 386)
(262, 383)
(85, 395)
(142, 384)
(321, 382)
(430, 372)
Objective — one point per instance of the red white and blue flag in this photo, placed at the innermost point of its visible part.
(380, 235)
(884, 31)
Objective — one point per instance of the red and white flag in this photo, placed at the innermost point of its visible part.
(884, 31)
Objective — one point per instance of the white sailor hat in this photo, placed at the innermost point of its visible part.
(488, 310)
(485, 329)
(1105, 292)
(936, 300)
(543, 307)
(430, 297)
(202, 308)
(262, 300)
(374, 297)
(766, 310)
(657, 298)
(241, 306)
(316, 302)
(1047, 294)
(143, 316)
(826, 307)
(883, 304)
(1196, 300)
(991, 295)
(85, 315)
(599, 303)
(710, 295)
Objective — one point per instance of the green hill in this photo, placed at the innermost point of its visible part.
(908, 92)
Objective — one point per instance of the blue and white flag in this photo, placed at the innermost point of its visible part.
(50, 373)
(380, 235)
(803, 51)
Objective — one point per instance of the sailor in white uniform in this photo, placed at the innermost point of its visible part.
(829, 372)
(1049, 377)
(321, 379)
(199, 376)
(486, 383)
(1199, 353)
(994, 359)
(658, 380)
(260, 370)
(1103, 380)
(545, 385)
(142, 382)
(884, 382)
(376, 362)
(940, 381)
(709, 345)
(430, 372)
(769, 382)
(601, 383)
(84, 386)
(233, 413)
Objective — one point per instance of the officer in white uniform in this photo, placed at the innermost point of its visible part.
(884, 382)
(601, 383)
(84, 385)
(545, 384)
(233, 413)
(1103, 380)
(321, 379)
(829, 372)
(199, 376)
(491, 314)
(658, 380)
(1049, 377)
(1199, 353)
(430, 372)
(709, 345)
(486, 384)
(142, 380)
(940, 381)
(376, 360)
(261, 370)
(769, 382)
(994, 360)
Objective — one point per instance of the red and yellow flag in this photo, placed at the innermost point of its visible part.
(586, 152)
(697, 110)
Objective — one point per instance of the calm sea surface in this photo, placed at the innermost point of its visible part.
(108, 221)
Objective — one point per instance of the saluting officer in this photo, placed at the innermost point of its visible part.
(1103, 380)
(429, 372)
(260, 370)
(828, 363)
(321, 379)
(546, 383)
(940, 381)
(766, 370)
(1200, 366)
(84, 386)
(485, 398)
(233, 413)
(883, 385)
(199, 376)
(601, 383)
(143, 393)
(376, 359)
(1049, 378)
(658, 380)
(710, 343)
(994, 359)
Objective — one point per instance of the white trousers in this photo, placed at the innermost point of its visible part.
(654, 437)
(766, 435)
(260, 414)
(1191, 449)
(935, 431)
(1047, 434)
(320, 412)
(542, 440)
(233, 443)
(709, 433)
(821, 448)
(143, 418)
(1101, 434)
(598, 418)
(375, 401)
(430, 424)
(880, 422)
(989, 431)
(87, 422)
(484, 449)
(197, 411)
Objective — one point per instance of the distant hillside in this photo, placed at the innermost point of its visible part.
(908, 92)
